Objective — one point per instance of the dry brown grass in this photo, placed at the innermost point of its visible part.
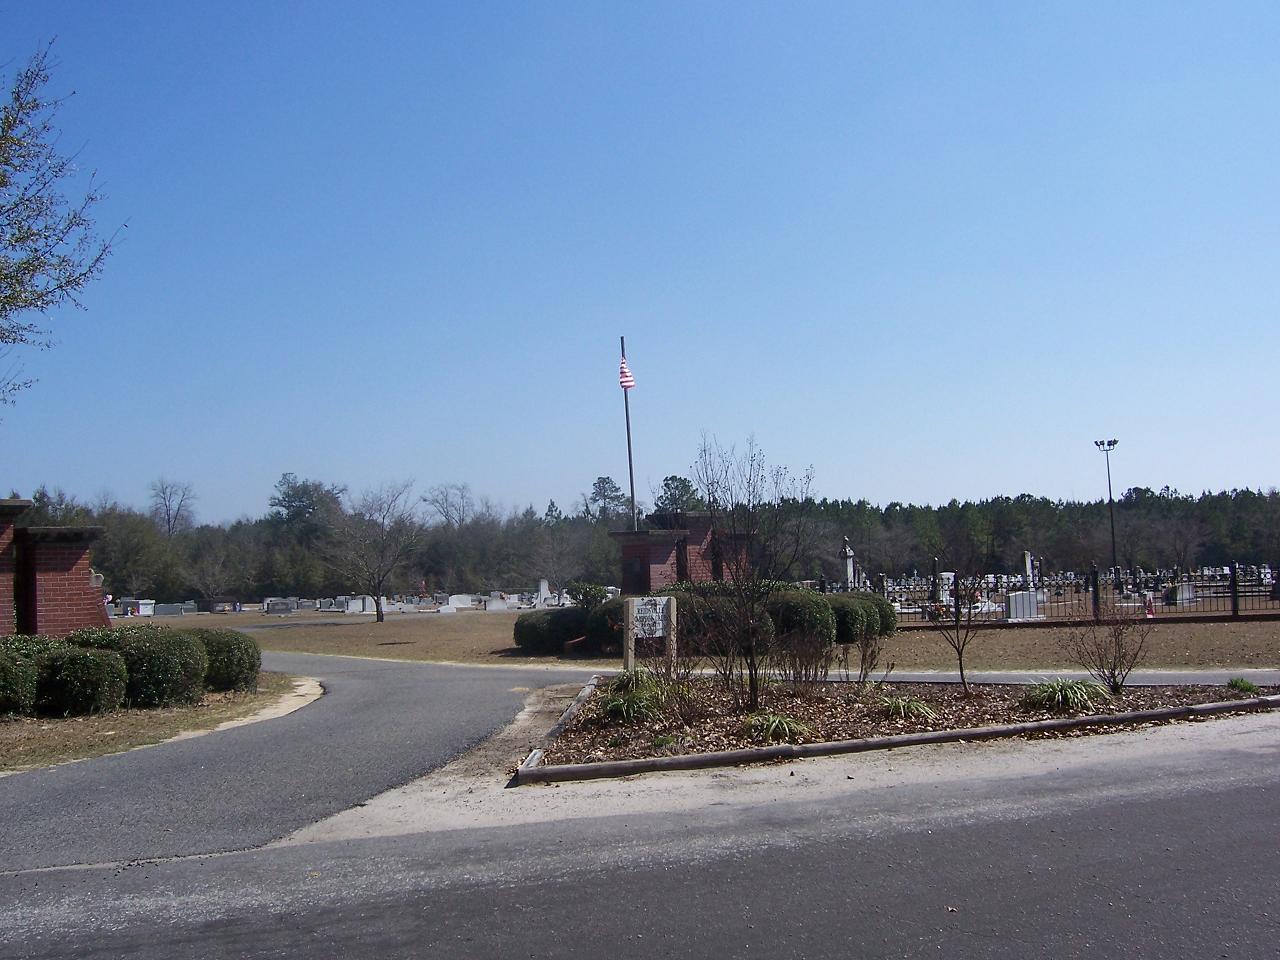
(486, 638)
(40, 741)
(1240, 643)
(475, 637)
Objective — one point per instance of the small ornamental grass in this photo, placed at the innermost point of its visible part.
(774, 727)
(907, 708)
(1241, 685)
(638, 681)
(1065, 696)
(631, 707)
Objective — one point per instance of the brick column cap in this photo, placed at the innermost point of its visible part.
(12, 508)
(59, 534)
(647, 536)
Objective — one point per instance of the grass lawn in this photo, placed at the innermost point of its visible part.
(486, 638)
(41, 741)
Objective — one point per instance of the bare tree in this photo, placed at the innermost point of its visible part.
(956, 619)
(761, 519)
(211, 563)
(1110, 646)
(48, 247)
(172, 505)
(451, 502)
(374, 539)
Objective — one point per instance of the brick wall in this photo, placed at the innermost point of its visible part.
(54, 591)
(662, 564)
(657, 558)
(8, 513)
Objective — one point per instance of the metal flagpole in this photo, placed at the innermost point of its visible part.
(631, 470)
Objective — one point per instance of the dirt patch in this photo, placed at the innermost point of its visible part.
(28, 742)
(710, 720)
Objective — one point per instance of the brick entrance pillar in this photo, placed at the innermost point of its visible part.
(9, 512)
(55, 591)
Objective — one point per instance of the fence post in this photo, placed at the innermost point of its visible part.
(1094, 584)
(1235, 589)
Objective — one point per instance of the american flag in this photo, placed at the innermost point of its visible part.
(625, 380)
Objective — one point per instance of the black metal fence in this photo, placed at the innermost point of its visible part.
(1235, 591)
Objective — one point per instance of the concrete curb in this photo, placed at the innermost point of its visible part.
(535, 757)
(532, 772)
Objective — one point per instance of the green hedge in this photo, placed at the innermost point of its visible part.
(605, 625)
(888, 619)
(857, 613)
(234, 659)
(18, 679)
(164, 666)
(30, 648)
(75, 681)
(802, 617)
(547, 631)
(853, 618)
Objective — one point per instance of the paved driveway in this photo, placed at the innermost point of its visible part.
(380, 724)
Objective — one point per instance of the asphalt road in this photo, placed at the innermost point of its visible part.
(379, 724)
(1151, 854)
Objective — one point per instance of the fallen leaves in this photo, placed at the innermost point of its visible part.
(831, 711)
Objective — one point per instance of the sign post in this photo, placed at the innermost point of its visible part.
(649, 618)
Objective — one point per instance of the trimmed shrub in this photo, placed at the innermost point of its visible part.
(805, 634)
(75, 681)
(802, 617)
(709, 628)
(879, 613)
(112, 638)
(604, 625)
(853, 617)
(531, 630)
(164, 666)
(17, 684)
(30, 647)
(586, 595)
(234, 659)
(547, 631)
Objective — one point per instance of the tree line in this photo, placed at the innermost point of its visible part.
(316, 539)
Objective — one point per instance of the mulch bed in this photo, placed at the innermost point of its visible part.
(837, 711)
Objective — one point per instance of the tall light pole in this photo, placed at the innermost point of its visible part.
(1106, 446)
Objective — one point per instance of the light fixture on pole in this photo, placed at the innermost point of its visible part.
(1106, 446)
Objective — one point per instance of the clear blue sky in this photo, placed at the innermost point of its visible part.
(934, 250)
